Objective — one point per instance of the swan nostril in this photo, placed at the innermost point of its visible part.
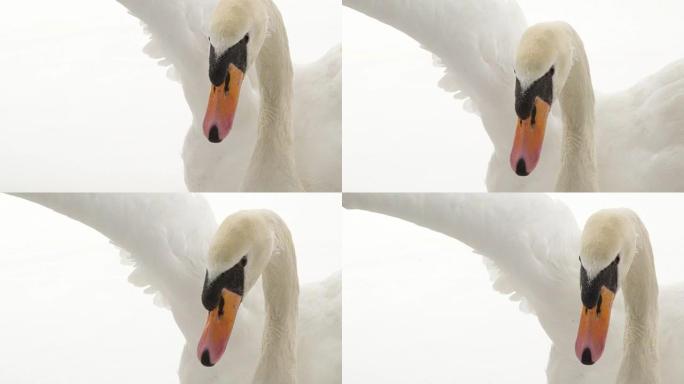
(214, 134)
(520, 168)
(205, 359)
(586, 357)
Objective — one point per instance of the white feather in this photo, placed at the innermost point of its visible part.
(638, 148)
(167, 238)
(179, 31)
(533, 244)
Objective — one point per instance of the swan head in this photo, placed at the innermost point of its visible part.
(607, 250)
(542, 66)
(236, 34)
(239, 252)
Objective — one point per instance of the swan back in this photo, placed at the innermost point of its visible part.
(640, 136)
(318, 134)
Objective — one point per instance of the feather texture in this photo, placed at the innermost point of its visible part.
(639, 140)
(531, 246)
(179, 31)
(167, 237)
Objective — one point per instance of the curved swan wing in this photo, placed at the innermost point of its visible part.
(178, 38)
(532, 243)
(474, 39)
(166, 236)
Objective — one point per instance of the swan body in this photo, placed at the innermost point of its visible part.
(169, 237)
(278, 140)
(537, 260)
(477, 42)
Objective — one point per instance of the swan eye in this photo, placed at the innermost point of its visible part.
(243, 261)
(552, 70)
(246, 38)
(617, 259)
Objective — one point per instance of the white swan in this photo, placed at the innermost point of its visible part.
(551, 64)
(286, 337)
(638, 138)
(535, 245)
(285, 136)
(616, 253)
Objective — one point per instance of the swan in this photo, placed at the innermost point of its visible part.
(258, 123)
(540, 255)
(638, 141)
(551, 64)
(616, 252)
(246, 332)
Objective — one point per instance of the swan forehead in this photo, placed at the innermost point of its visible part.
(537, 52)
(235, 238)
(231, 21)
(603, 239)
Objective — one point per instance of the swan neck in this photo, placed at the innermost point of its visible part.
(578, 150)
(640, 359)
(272, 166)
(278, 364)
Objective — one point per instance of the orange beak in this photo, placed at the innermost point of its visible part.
(218, 328)
(223, 100)
(593, 328)
(529, 137)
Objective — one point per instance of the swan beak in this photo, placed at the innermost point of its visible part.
(593, 328)
(217, 330)
(529, 136)
(223, 101)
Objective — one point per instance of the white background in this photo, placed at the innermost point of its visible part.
(83, 108)
(69, 314)
(419, 306)
(425, 141)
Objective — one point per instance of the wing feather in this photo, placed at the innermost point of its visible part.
(165, 237)
(530, 242)
(474, 40)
